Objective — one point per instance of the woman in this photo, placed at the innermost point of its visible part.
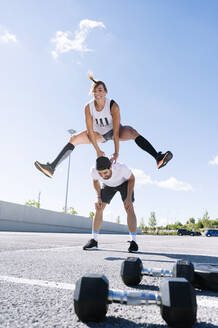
(102, 117)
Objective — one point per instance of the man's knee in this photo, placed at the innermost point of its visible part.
(99, 210)
(129, 210)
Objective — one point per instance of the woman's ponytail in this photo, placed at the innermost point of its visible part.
(90, 75)
(95, 83)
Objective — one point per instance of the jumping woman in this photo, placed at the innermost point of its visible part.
(102, 116)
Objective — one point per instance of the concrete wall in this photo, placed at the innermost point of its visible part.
(15, 217)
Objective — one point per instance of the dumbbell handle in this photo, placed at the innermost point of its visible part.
(133, 298)
(155, 272)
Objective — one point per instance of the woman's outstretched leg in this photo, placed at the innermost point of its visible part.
(78, 139)
(128, 133)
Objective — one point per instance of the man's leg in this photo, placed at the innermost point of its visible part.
(107, 193)
(131, 221)
(97, 222)
(96, 226)
(131, 217)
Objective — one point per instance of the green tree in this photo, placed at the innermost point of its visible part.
(32, 203)
(206, 220)
(191, 224)
(191, 220)
(167, 227)
(199, 224)
(152, 222)
(214, 223)
(91, 215)
(70, 210)
(142, 224)
(178, 225)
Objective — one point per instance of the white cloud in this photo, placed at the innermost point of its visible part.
(54, 54)
(6, 37)
(172, 183)
(64, 42)
(214, 161)
(140, 177)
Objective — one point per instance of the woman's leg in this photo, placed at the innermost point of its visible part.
(83, 138)
(77, 139)
(128, 133)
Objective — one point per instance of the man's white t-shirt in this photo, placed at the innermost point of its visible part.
(120, 174)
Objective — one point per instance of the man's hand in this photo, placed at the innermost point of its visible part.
(98, 204)
(100, 153)
(114, 158)
(128, 204)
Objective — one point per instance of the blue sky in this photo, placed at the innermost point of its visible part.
(159, 62)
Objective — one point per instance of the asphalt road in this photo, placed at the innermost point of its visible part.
(37, 271)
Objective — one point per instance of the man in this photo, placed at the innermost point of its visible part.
(115, 177)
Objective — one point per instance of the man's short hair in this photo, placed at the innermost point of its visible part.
(103, 163)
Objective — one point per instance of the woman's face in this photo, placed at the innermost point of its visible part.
(99, 92)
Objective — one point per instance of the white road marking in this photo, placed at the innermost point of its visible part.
(42, 249)
(33, 282)
(164, 250)
(211, 302)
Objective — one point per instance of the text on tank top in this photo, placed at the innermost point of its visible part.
(102, 120)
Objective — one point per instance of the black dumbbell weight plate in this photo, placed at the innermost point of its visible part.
(206, 276)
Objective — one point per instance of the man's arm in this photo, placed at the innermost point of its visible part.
(98, 204)
(97, 187)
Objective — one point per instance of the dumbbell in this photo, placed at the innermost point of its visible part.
(132, 271)
(177, 299)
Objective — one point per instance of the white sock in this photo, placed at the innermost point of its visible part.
(95, 234)
(132, 236)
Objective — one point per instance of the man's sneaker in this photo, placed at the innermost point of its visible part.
(133, 247)
(92, 244)
(163, 159)
(45, 168)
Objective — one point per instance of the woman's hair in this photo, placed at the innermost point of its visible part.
(96, 83)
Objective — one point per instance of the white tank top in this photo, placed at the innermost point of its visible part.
(102, 120)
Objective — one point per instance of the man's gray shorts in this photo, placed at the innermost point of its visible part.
(107, 193)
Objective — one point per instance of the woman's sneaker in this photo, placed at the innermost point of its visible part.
(133, 247)
(163, 159)
(45, 168)
(92, 244)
